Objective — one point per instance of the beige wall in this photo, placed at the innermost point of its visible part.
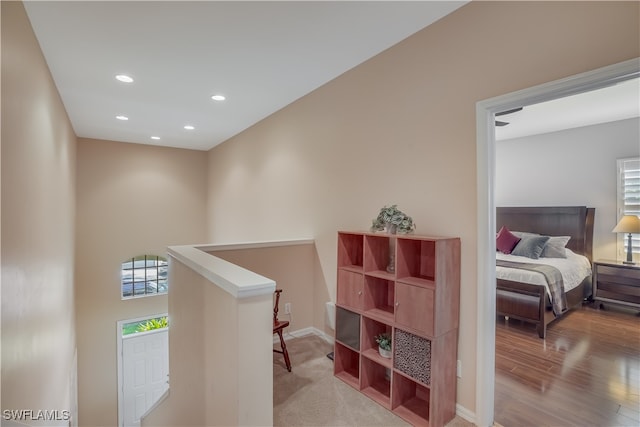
(292, 268)
(38, 203)
(131, 200)
(401, 129)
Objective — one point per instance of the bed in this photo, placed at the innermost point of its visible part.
(529, 302)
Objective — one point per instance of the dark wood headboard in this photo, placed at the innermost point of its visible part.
(574, 221)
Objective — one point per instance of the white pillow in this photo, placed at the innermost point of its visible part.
(555, 247)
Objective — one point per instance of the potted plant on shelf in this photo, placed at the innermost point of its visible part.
(384, 344)
(393, 220)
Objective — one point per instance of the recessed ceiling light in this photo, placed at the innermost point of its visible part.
(189, 127)
(124, 78)
(122, 117)
(155, 137)
(218, 97)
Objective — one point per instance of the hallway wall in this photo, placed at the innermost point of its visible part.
(132, 200)
(38, 213)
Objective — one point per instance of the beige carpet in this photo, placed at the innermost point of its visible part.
(311, 396)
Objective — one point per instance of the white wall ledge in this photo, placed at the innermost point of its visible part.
(254, 245)
(238, 281)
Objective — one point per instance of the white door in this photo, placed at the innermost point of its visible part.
(145, 368)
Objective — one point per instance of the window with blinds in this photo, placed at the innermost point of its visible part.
(629, 196)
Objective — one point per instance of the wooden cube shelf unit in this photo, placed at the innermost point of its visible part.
(417, 302)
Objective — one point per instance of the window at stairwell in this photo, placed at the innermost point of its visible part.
(144, 275)
(629, 197)
(145, 325)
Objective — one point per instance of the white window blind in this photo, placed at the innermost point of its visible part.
(629, 195)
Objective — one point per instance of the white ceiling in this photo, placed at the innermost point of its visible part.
(261, 55)
(617, 102)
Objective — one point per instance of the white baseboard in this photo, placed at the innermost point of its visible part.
(463, 412)
(289, 335)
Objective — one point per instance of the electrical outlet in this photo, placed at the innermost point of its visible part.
(287, 308)
(459, 369)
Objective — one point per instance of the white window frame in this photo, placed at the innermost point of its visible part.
(628, 169)
(149, 271)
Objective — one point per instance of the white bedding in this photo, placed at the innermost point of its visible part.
(574, 268)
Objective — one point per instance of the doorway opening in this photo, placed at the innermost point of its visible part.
(485, 145)
(143, 366)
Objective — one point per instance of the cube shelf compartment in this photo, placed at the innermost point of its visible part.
(350, 293)
(412, 355)
(411, 400)
(415, 308)
(368, 344)
(350, 251)
(379, 297)
(416, 261)
(376, 382)
(417, 303)
(376, 254)
(348, 328)
(347, 365)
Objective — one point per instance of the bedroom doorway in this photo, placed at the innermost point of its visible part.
(486, 145)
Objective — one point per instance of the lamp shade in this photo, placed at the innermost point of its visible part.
(628, 224)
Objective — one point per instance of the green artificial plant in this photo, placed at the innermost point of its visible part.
(151, 324)
(391, 217)
(384, 341)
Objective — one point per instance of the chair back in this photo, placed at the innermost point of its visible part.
(278, 327)
(275, 306)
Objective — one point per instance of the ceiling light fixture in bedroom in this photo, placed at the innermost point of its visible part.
(503, 113)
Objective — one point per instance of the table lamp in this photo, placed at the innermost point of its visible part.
(628, 224)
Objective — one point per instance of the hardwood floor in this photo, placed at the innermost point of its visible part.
(585, 373)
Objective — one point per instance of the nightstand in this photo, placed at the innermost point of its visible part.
(617, 283)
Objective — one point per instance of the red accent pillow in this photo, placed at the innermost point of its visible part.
(506, 240)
